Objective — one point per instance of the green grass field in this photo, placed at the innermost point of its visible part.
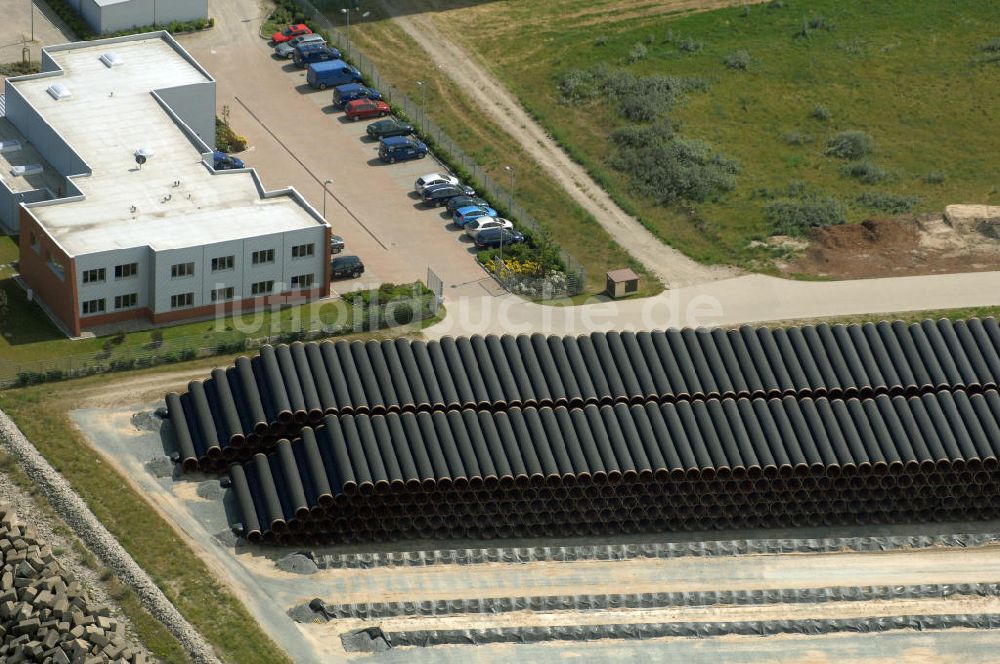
(912, 75)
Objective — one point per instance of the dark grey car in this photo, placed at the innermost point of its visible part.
(346, 267)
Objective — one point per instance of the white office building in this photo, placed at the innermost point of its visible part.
(104, 238)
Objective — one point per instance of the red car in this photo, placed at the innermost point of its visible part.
(290, 32)
(366, 108)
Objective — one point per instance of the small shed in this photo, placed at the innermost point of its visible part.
(622, 282)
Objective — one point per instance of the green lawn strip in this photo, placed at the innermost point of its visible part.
(930, 116)
(460, 115)
(150, 632)
(27, 335)
(41, 413)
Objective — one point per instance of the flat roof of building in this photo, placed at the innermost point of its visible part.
(174, 200)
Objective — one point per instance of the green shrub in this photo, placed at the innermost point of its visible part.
(638, 52)
(852, 144)
(689, 45)
(775, 4)
(934, 178)
(798, 217)
(668, 168)
(813, 24)
(228, 140)
(602, 40)
(821, 113)
(886, 202)
(638, 98)
(739, 60)
(866, 172)
(20, 68)
(796, 138)
(992, 46)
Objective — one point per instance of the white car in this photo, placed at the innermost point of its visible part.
(432, 179)
(482, 223)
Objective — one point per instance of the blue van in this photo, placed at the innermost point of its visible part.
(345, 93)
(332, 72)
(400, 148)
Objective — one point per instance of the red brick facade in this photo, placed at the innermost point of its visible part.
(61, 295)
(58, 294)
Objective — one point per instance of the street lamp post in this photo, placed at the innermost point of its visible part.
(326, 191)
(510, 169)
(347, 14)
(423, 101)
(31, 3)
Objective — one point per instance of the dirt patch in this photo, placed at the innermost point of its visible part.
(894, 248)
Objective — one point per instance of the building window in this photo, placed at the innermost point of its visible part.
(126, 301)
(223, 294)
(302, 281)
(55, 265)
(262, 288)
(181, 300)
(263, 256)
(127, 270)
(93, 307)
(303, 250)
(93, 276)
(181, 270)
(33, 239)
(222, 263)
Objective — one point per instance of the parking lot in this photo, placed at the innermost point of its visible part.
(298, 139)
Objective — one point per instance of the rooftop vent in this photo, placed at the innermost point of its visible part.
(59, 91)
(112, 59)
(27, 169)
(10, 145)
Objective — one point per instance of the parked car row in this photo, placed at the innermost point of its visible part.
(469, 212)
(397, 142)
(308, 50)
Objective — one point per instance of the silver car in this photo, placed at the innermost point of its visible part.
(482, 223)
(287, 49)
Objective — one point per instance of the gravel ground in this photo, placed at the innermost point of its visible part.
(71, 508)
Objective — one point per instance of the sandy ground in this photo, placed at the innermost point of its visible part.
(269, 592)
(895, 247)
(672, 267)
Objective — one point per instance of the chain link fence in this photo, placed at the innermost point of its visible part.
(572, 281)
(402, 313)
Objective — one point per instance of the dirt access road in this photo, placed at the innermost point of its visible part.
(672, 267)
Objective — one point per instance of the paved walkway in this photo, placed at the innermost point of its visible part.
(748, 299)
(16, 29)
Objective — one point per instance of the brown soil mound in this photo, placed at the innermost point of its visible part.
(890, 248)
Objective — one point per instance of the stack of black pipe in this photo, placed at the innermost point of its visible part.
(712, 464)
(535, 436)
(248, 408)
